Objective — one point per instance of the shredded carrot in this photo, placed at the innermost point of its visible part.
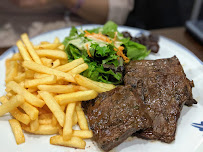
(98, 36)
(88, 51)
(119, 52)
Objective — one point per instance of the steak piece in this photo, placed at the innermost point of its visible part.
(115, 115)
(164, 89)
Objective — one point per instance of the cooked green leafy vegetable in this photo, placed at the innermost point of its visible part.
(105, 50)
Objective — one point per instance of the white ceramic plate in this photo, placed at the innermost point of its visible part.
(189, 138)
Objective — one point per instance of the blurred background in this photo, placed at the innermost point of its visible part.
(38, 16)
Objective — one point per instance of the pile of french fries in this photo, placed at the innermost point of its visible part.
(45, 91)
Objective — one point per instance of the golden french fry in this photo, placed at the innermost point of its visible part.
(20, 77)
(17, 56)
(53, 106)
(94, 85)
(59, 88)
(13, 103)
(76, 96)
(75, 142)
(67, 129)
(61, 47)
(17, 131)
(84, 134)
(24, 118)
(45, 121)
(75, 118)
(23, 51)
(35, 82)
(43, 69)
(30, 98)
(29, 74)
(31, 111)
(50, 46)
(56, 63)
(81, 88)
(71, 65)
(79, 69)
(82, 121)
(8, 67)
(54, 54)
(47, 62)
(40, 75)
(56, 40)
(34, 124)
(30, 48)
(13, 71)
(43, 129)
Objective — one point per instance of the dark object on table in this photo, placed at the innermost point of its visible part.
(115, 115)
(151, 41)
(164, 89)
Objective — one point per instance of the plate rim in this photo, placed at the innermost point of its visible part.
(13, 48)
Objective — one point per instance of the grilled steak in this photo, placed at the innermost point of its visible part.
(163, 88)
(115, 115)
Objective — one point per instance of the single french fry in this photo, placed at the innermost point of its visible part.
(30, 48)
(43, 69)
(84, 134)
(34, 124)
(30, 110)
(82, 121)
(8, 67)
(24, 118)
(75, 142)
(20, 77)
(17, 56)
(71, 65)
(81, 88)
(76, 96)
(30, 98)
(23, 51)
(61, 47)
(40, 75)
(45, 121)
(56, 40)
(43, 129)
(56, 63)
(17, 131)
(94, 85)
(29, 74)
(50, 46)
(13, 71)
(35, 82)
(67, 129)
(47, 62)
(13, 103)
(79, 69)
(75, 118)
(59, 88)
(54, 54)
(53, 106)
